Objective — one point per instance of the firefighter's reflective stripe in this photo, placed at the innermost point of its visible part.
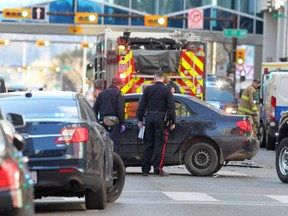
(244, 97)
(245, 110)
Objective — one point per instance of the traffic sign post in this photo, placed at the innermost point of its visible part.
(238, 33)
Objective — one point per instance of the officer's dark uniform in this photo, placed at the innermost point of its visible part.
(111, 102)
(157, 100)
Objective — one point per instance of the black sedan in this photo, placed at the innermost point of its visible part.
(205, 137)
(16, 186)
(70, 153)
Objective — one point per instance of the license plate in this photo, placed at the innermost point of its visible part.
(33, 176)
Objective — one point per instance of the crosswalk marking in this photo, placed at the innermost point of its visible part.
(280, 198)
(189, 196)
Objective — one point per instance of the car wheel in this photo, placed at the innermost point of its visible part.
(261, 135)
(201, 159)
(282, 160)
(270, 142)
(98, 199)
(118, 179)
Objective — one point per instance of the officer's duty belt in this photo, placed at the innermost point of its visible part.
(156, 112)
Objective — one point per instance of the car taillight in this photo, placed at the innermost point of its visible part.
(244, 125)
(9, 175)
(273, 106)
(72, 135)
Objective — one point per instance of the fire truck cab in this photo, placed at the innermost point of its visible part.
(134, 57)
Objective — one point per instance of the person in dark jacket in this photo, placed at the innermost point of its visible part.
(111, 102)
(171, 85)
(158, 102)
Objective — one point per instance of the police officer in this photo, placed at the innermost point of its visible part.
(248, 104)
(158, 102)
(111, 102)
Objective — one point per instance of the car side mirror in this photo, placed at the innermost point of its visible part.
(19, 142)
(16, 120)
(89, 71)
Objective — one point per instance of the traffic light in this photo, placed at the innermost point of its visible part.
(155, 20)
(55, 69)
(4, 42)
(86, 18)
(87, 44)
(270, 5)
(16, 13)
(43, 43)
(240, 56)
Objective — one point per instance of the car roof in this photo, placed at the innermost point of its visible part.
(39, 95)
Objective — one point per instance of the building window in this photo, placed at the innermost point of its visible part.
(147, 6)
(170, 6)
(197, 3)
(115, 20)
(247, 6)
(247, 23)
(229, 4)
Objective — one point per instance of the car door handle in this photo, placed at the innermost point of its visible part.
(183, 123)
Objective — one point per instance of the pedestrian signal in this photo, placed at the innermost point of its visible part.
(240, 56)
(87, 45)
(16, 13)
(4, 42)
(86, 18)
(42, 43)
(155, 20)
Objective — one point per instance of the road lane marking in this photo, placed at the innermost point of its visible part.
(280, 198)
(190, 196)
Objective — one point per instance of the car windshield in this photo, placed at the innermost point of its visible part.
(41, 108)
(219, 94)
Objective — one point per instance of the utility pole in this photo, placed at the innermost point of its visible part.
(232, 69)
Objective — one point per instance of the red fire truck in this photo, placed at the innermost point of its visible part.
(135, 56)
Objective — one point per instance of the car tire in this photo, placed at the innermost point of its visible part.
(201, 159)
(98, 199)
(282, 160)
(261, 135)
(270, 142)
(118, 179)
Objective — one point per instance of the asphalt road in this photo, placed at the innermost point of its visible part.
(249, 188)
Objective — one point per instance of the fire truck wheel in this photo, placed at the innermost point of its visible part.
(202, 159)
(118, 179)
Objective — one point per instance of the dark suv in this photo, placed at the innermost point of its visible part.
(282, 148)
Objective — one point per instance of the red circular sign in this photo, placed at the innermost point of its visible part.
(195, 16)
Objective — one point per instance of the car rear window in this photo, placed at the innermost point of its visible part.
(219, 94)
(41, 108)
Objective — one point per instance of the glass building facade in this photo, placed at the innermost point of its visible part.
(131, 12)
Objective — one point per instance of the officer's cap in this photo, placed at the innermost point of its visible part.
(257, 81)
(117, 81)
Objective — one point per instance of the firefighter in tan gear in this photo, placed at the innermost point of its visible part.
(248, 104)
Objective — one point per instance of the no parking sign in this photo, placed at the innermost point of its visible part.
(195, 19)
